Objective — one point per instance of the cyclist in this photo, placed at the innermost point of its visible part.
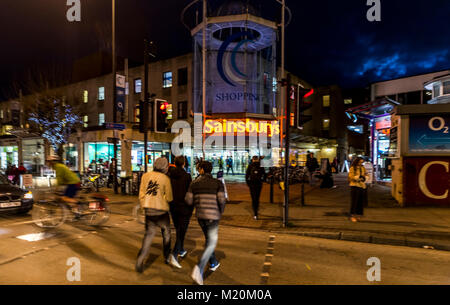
(65, 176)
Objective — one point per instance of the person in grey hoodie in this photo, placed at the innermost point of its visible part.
(208, 196)
(155, 193)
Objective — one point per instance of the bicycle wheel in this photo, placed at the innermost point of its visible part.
(139, 214)
(95, 213)
(49, 214)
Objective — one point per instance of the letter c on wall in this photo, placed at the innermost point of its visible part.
(423, 183)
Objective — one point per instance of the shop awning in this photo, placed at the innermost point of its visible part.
(374, 109)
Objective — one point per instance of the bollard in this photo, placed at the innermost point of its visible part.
(271, 190)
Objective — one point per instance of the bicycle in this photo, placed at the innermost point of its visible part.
(54, 212)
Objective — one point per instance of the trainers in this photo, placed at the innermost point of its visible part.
(173, 261)
(183, 253)
(197, 275)
(214, 267)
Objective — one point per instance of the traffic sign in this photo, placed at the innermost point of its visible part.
(115, 126)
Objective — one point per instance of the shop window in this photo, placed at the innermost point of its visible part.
(427, 96)
(182, 110)
(447, 87)
(326, 101)
(138, 85)
(33, 155)
(85, 96)
(101, 119)
(182, 77)
(167, 79)
(101, 93)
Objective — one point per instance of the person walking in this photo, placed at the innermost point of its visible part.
(312, 165)
(180, 211)
(208, 197)
(155, 193)
(230, 165)
(254, 178)
(357, 177)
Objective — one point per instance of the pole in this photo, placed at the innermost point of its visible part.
(287, 154)
(146, 95)
(283, 76)
(204, 74)
(114, 68)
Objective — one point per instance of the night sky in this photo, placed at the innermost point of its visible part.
(328, 41)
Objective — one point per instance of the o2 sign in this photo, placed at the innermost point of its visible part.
(429, 133)
(441, 126)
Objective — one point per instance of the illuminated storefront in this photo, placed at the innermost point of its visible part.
(33, 155)
(234, 142)
(379, 115)
(154, 151)
(100, 152)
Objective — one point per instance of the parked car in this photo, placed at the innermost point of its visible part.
(13, 199)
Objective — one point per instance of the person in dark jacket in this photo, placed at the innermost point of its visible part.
(180, 211)
(208, 196)
(254, 178)
(312, 165)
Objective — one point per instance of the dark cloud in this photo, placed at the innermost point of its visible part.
(328, 41)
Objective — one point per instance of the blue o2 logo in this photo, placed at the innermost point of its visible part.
(226, 61)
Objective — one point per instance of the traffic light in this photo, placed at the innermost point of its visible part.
(162, 112)
(143, 116)
(303, 104)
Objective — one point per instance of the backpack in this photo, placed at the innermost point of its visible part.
(256, 174)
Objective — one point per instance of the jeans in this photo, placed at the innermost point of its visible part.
(181, 222)
(357, 201)
(311, 177)
(211, 230)
(255, 191)
(151, 223)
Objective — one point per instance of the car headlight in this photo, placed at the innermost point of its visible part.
(28, 195)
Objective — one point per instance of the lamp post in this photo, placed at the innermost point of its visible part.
(114, 71)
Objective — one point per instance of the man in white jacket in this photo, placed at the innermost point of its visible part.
(155, 193)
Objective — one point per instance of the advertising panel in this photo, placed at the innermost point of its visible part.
(429, 133)
(427, 181)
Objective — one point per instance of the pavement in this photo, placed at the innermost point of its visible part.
(325, 215)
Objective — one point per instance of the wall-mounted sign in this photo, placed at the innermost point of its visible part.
(427, 181)
(242, 126)
(429, 133)
(383, 123)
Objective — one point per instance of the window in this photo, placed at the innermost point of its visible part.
(1, 114)
(326, 124)
(138, 85)
(182, 110)
(446, 87)
(348, 101)
(85, 96)
(136, 114)
(85, 121)
(326, 101)
(167, 79)
(436, 90)
(182, 77)
(101, 93)
(101, 119)
(266, 80)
